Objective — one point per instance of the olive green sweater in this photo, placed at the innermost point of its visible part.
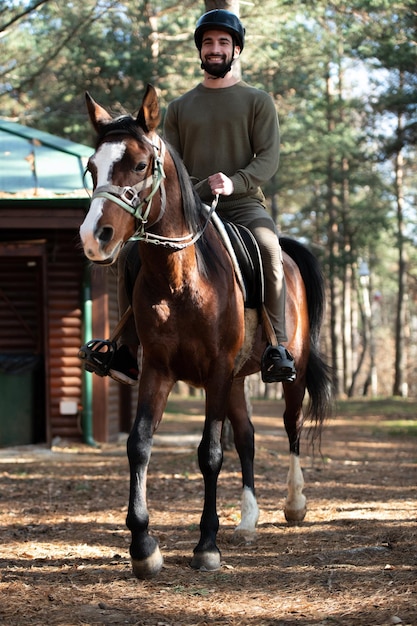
(233, 130)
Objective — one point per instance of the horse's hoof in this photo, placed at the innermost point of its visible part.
(149, 567)
(244, 535)
(295, 515)
(206, 561)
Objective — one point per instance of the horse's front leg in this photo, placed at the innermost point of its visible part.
(295, 504)
(146, 557)
(210, 457)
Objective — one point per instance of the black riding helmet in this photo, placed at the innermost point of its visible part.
(219, 19)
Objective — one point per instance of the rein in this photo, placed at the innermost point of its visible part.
(177, 243)
(128, 198)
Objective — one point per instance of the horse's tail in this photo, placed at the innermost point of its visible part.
(319, 380)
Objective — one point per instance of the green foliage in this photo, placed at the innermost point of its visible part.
(112, 49)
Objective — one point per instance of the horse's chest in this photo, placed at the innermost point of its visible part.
(161, 312)
(172, 316)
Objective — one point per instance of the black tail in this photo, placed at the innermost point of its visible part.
(319, 374)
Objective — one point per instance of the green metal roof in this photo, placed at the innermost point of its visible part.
(36, 164)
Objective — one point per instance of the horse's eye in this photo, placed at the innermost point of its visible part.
(140, 166)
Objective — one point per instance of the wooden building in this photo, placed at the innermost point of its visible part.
(51, 300)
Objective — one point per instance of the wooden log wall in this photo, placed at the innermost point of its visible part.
(64, 301)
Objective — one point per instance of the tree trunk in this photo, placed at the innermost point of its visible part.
(401, 328)
(229, 5)
(347, 284)
(400, 382)
(334, 253)
(363, 348)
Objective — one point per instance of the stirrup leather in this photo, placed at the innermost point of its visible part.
(98, 355)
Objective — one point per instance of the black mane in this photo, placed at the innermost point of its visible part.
(192, 204)
(195, 216)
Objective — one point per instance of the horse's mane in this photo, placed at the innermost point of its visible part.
(192, 205)
(195, 216)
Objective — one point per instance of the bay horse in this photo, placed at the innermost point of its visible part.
(189, 313)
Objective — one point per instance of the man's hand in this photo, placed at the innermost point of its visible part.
(220, 184)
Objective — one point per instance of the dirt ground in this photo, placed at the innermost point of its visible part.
(64, 545)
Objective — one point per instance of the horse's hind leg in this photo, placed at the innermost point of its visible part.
(244, 437)
(210, 457)
(295, 504)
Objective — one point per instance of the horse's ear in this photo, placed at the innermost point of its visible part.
(97, 114)
(149, 115)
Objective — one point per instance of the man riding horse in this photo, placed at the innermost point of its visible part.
(227, 135)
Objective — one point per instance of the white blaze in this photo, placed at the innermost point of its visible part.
(105, 158)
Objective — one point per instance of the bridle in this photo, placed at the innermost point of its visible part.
(128, 198)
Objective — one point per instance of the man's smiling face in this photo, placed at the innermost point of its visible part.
(217, 52)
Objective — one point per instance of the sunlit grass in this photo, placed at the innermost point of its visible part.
(399, 415)
(395, 408)
(400, 427)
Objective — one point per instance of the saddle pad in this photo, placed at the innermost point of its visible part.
(249, 258)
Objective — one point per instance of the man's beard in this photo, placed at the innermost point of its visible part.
(217, 70)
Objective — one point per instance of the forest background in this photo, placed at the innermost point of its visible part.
(343, 76)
